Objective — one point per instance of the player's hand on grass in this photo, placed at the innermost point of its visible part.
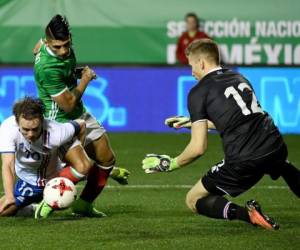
(88, 74)
(8, 201)
(178, 122)
(154, 163)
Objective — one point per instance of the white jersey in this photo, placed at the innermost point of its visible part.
(38, 161)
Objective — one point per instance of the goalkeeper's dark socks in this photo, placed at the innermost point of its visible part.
(218, 207)
(236, 212)
(96, 181)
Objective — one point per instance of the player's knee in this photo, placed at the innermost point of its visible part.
(107, 159)
(191, 200)
(84, 166)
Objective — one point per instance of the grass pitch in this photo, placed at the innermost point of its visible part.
(150, 213)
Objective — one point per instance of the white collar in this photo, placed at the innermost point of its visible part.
(50, 52)
(214, 69)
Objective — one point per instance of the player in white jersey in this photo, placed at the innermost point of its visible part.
(30, 147)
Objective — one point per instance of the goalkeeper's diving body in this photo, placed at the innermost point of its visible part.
(252, 144)
(55, 76)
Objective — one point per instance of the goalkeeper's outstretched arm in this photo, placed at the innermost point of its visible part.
(153, 163)
(178, 122)
(197, 145)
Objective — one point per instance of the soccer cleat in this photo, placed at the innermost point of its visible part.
(120, 175)
(82, 208)
(258, 218)
(42, 210)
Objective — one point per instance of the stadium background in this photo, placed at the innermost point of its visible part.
(131, 45)
(110, 33)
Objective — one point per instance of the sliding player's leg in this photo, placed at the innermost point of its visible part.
(99, 150)
(207, 196)
(77, 160)
(78, 166)
(94, 131)
(25, 194)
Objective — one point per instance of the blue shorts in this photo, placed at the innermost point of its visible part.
(25, 193)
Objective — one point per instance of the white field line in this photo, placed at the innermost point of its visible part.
(170, 187)
(173, 187)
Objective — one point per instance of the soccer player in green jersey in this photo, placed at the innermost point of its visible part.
(57, 86)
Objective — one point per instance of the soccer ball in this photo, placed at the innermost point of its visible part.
(59, 193)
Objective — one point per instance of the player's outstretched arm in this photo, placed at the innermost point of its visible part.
(197, 145)
(153, 163)
(179, 122)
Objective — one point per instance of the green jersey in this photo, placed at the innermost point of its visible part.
(53, 75)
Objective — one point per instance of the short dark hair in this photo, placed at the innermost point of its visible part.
(58, 28)
(206, 47)
(29, 108)
(193, 15)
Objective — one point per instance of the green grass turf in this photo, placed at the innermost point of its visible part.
(153, 218)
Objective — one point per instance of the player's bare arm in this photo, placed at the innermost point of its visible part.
(68, 100)
(179, 122)
(8, 175)
(197, 145)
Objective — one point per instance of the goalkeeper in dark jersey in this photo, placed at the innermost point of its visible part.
(253, 146)
(55, 77)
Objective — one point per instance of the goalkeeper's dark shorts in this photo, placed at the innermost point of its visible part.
(235, 178)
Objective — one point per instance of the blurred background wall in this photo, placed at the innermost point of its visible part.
(131, 44)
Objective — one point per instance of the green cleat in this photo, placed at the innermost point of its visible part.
(42, 210)
(120, 175)
(82, 208)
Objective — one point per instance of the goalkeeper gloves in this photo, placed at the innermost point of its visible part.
(178, 122)
(153, 163)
